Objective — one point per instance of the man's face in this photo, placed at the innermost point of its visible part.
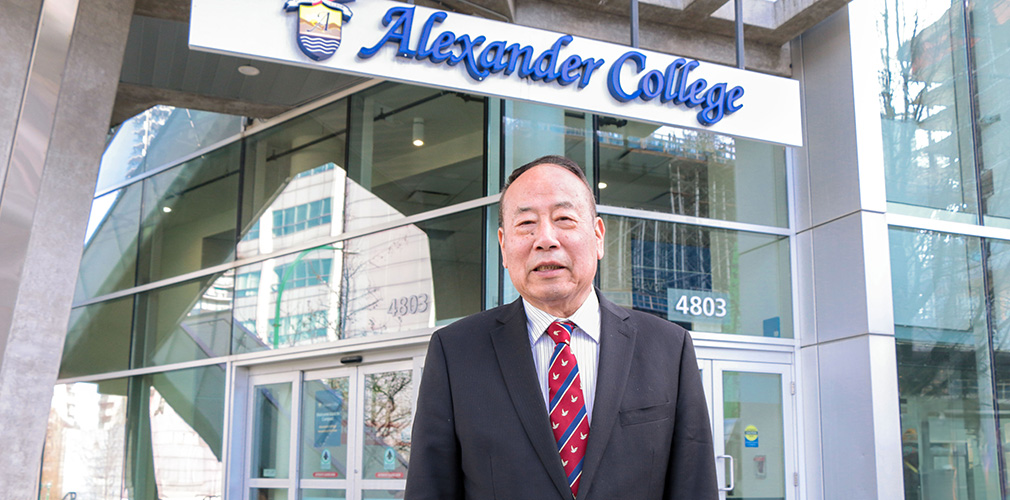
(550, 240)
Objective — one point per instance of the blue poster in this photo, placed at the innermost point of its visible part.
(329, 406)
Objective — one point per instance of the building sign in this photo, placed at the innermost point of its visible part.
(413, 44)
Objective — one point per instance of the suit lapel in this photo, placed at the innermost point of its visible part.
(515, 359)
(617, 343)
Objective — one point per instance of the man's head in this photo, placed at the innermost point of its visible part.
(550, 235)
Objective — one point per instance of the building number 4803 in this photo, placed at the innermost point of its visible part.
(694, 305)
(410, 304)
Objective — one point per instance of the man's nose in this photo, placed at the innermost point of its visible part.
(546, 236)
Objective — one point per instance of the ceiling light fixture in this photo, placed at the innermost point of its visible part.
(166, 209)
(418, 131)
(602, 185)
(248, 70)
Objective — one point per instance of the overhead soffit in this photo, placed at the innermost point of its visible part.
(159, 68)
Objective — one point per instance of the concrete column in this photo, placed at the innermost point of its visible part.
(848, 370)
(61, 62)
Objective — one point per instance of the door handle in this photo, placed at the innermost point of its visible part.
(732, 482)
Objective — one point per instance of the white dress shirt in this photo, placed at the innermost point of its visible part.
(585, 345)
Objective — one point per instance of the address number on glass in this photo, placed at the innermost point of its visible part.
(409, 304)
(696, 305)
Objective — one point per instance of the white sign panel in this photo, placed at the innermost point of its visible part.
(407, 43)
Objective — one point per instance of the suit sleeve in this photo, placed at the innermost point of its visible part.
(435, 472)
(691, 474)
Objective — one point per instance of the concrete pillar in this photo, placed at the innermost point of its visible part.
(61, 61)
(848, 370)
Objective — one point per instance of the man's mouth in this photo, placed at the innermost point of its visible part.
(549, 267)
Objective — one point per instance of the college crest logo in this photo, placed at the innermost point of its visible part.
(319, 23)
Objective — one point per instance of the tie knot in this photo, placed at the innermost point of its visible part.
(561, 331)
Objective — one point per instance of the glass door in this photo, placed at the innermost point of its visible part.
(269, 443)
(386, 394)
(326, 455)
(338, 433)
(751, 408)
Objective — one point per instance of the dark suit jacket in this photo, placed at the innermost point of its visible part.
(481, 430)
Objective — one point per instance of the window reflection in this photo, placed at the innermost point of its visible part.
(184, 322)
(85, 448)
(534, 130)
(387, 414)
(417, 148)
(406, 278)
(294, 184)
(666, 169)
(98, 338)
(109, 261)
(999, 272)
(925, 110)
(949, 438)
(708, 280)
(189, 216)
(990, 39)
(175, 434)
(158, 136)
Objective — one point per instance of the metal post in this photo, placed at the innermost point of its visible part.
(738, 21)
(634, 23)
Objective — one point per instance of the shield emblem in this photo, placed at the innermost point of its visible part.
(319, 26)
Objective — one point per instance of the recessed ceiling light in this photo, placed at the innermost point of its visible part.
(166, 209)
(602, 185)
(418, 131)
(248, 70)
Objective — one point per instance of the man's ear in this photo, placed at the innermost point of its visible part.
(501, 246)
(600, 231)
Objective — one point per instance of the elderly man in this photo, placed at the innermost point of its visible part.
(561, 394)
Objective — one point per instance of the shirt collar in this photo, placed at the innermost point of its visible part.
(586, 317)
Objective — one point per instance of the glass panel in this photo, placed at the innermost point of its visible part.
(268, 494)
(189, 218)
(295, 179)
(184, 322)
(407, 278)
(415, 149)
(990, 43)
(324, 428)
(944, 378)
(534, 130)
(187, 425)
(925, 110)
(753, 426)
(271, 437)
(85, 447)
(666, 169)
(324, 495)
(708, 280)
(999, 272)
(381, 494)
(175, 434)
(98, 338)
(387, 418)
(109, 261)
(160, 135)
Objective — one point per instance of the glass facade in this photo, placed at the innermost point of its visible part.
(368, 219)
(665, 169)
(145, 436)
(941, 86)
(705, 279)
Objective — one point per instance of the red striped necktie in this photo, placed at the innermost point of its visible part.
(569, 420)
